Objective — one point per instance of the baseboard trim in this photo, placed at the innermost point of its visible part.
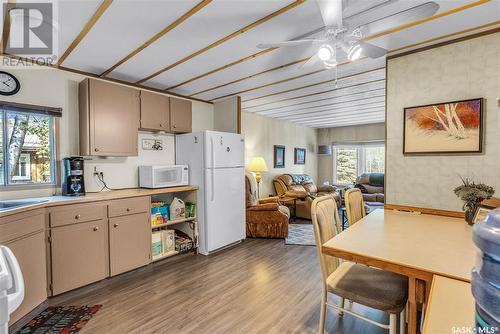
(428, 211)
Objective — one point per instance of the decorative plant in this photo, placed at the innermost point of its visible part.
(472, 194)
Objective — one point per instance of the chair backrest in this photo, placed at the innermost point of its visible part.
(326, 223)
(355, 206)
(250, 190)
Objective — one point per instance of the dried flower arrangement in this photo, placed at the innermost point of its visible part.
(472, 194)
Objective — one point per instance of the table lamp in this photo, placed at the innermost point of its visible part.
(257, 165)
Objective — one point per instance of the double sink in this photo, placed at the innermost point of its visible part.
(8, 205)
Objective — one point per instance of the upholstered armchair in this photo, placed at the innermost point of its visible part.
(265, 218)
(371, 186)
(302, 187)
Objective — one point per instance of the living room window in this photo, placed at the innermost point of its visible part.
(27, 154)
(351, 160)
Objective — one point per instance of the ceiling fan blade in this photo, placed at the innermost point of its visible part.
(289, 43)
(310, 62)
(371, 50)
(331, 12)
(416, 13)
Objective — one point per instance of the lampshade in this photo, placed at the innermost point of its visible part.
(325, 150)
(257, 164)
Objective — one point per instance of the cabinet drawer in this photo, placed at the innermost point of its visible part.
(21, 224)
(128, 206)
(77, 213)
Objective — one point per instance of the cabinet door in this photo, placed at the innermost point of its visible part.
(30, 253)
(129, 242)
(114, 119)
(180, 115)
(79, 255)
(155, 111)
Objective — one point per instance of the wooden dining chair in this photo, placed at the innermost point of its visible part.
(361, 284)
(354, 205)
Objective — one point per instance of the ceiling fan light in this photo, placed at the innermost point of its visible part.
(325, 52)
(354, 52)
(330, 63)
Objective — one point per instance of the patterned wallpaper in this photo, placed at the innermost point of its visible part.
(468, 69)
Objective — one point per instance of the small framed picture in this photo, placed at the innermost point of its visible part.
(300, 156)
(152, 144)
(279, 156)
(481, 214)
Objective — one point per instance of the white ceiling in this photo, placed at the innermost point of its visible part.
(309, 96)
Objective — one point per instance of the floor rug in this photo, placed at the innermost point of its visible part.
(60, 320)
(300, 234)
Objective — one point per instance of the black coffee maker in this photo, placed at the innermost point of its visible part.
(73, 183)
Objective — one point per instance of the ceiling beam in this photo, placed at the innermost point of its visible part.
(224, 39)
(316, 84)
(338, 123)
(34, 62)
(386, 32)
(160, 34)
(260, 53)
(314, 94)
(6, 23)
(308, 109)
(374, 114)
(484, 26)
(93, 20)
(427, 19)
(331, 109)
(336, 113)
(330, 98)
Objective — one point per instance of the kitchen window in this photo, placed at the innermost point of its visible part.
(27, 145)
(351, 160)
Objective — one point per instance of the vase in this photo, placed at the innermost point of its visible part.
(469, 215)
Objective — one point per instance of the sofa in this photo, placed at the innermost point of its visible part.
(265, 218)
(371, 186)
(304, 190)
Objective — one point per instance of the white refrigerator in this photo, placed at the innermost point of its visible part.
(216, 165)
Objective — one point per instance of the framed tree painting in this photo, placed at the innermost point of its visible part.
(279, 156)
(451, 127)
(300, 156)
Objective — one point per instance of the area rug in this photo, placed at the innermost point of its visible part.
(300, 234)
(60, 320)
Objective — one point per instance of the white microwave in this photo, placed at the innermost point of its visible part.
(163, 176)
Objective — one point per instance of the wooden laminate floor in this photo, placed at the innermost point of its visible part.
(259, 286)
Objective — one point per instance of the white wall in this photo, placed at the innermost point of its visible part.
(353, 133)
(226, 115)
(56, 88)
(262, 133)
(464, 70)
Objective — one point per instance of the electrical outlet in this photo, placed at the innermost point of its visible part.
(98, 170)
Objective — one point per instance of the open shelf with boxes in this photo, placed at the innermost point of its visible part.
(174, 228)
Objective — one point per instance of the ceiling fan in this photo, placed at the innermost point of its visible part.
(345, 34)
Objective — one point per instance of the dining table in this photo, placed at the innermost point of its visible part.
(412, 244)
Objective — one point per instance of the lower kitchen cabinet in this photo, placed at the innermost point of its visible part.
(79, 255)
(24, 234)
(30, 253)
(129, 242)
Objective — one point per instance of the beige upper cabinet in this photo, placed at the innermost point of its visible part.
(109, 119)
(180, 115)
(155, 111)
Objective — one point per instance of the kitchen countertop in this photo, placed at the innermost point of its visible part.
(92, 197)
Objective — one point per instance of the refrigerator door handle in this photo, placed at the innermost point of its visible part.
(212, 169)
